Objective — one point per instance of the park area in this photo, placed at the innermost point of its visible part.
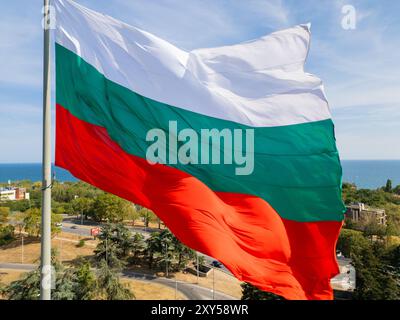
(22, 255)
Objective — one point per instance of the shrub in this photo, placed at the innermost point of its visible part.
(81, 243)
(6, 234)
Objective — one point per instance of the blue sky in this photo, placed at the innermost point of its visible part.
(360, 68)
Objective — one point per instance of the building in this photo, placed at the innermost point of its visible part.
(7, 194)
(11, 194)
(21, 194)
(359, 212)
(344, 283)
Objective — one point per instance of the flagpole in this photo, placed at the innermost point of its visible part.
(45, 275)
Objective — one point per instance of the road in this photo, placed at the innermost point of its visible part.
(71, 228)
(72, 225)
(191, 291)
(82, 231)
(18, 266)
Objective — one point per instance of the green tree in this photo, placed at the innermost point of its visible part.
(19, 221)
(32, 222)
(202, 260)
(393, 257)
(67, 191)
(147, 216)
(132, 214)
(375, 198)
(83, 206)
(86, 282)
(111, 208)
(66, 285)
(250, 292)
(21, 205)
(109, 252)
(70, 283)
(372, 228)
(375, 278)
(152, 247)
(160, 246)
(115, 245)
(110, 286)
(4, 214)
(374, 282)
(393, 219)
(56, 219)
(168, 250)
(388, 186)
(6, 234)
(123, 238)
(58, 207)
(351, 243)
(27, 288)
(184, 254)
(137, 245)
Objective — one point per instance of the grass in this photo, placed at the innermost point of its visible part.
(7, 276)
(394, 240)
(66, 247)
(144, 290)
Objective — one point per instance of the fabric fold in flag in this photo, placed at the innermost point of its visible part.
(275, 226)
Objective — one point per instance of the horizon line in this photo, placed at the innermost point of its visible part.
(52, 163)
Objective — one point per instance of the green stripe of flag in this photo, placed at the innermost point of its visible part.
(297, 168)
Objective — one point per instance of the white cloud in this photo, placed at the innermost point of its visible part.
(196, 24)
(272, 14)
(360, 66)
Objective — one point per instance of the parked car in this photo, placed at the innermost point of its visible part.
(58, 224)
(216, 264)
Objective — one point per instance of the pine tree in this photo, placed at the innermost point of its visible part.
(388, 187)
(250, 292)
(110, 286)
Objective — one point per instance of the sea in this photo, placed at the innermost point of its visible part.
(366, 174)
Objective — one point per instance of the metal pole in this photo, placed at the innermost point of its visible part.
(45, 287)
(197, 262)
(106, 251)
(22, 249)
(213, 291)
(166, 262)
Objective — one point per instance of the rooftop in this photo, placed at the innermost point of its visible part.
(346, 279)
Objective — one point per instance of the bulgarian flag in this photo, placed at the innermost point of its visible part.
(264, 199)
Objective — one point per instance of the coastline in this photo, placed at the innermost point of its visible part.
(365, 174)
